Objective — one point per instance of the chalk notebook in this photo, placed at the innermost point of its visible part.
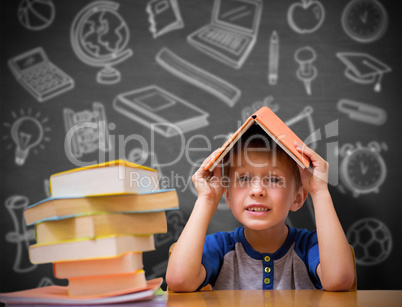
(158, 109)
(274, 127)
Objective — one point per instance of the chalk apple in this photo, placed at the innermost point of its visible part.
(306, 16)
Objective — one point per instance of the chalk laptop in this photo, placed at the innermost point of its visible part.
(232, 33)
(38, 75)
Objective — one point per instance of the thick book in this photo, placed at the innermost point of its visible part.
(274, 127)
(53, 207)
(100, 224)
(81, 249)
(106, 284)
(112, 177)
(58, 295)
(125, 263)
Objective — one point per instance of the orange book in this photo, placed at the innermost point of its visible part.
(274, 127)
(126, 263)
(58, 295)
(104, 284)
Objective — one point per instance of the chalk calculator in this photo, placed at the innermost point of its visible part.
(40, 77)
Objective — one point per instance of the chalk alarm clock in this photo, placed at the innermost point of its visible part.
(364, 21)
(363, 169)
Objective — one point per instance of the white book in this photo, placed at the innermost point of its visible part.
(113, 177)
(99, 247)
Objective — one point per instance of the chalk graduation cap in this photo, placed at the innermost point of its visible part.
(363, 68)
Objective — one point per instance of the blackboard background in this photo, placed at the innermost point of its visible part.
(141, 70)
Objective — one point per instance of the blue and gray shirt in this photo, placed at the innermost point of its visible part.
(231, 263)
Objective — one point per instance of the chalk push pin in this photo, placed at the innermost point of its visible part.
(307, 72)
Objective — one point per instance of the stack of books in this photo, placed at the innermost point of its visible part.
(97, 224)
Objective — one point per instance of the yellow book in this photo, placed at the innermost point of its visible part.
(125, 263)
(113, 177)
(105, 284)
(81, 249)
(90, 226)
(52, 208)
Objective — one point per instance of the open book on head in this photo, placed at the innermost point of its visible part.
(275, 128)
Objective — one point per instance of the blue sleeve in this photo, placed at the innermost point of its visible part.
(307, 249)
(313, 259)
(215, 247)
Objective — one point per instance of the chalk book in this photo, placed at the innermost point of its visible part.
(274, 127)
(169, 113)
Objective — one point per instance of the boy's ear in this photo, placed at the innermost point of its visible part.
(227, 197)
(299, 200)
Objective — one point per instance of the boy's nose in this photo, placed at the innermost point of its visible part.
(257, 188)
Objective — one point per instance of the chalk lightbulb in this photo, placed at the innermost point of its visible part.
(27, 132)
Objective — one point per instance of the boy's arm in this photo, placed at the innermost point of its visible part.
(185, 272)
(336, 268)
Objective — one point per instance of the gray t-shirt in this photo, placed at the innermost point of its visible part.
(231, 263)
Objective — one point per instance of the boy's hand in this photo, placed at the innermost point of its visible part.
(208, 184)
(314, 178)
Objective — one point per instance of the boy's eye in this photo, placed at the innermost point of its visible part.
(244, 178)
(273, 179)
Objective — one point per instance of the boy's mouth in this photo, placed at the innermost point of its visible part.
(257, 208)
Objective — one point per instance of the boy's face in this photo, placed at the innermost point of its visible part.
(262, 190)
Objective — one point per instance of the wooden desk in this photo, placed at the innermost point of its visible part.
(268, 298)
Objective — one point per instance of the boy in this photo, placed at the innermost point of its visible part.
(264, 183)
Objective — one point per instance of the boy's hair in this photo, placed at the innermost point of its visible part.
(255, 139)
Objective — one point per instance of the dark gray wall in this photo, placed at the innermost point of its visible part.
(369, 217)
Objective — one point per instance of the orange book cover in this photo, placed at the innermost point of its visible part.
(107, 284)
(275, 128)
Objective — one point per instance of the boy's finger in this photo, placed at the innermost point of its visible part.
(202, 172)
(217, 170)
(211, 157)
(304, 150)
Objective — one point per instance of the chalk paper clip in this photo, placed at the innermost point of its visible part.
(362, 112)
